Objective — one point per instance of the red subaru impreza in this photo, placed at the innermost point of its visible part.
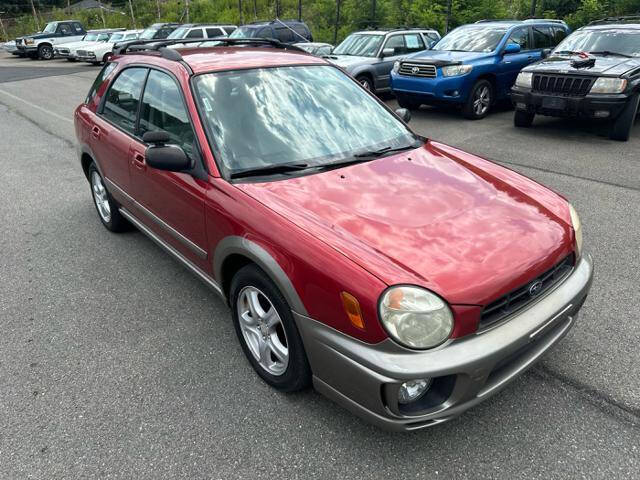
(406, 279)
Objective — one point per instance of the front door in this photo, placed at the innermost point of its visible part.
(171, 203)
(511, 63)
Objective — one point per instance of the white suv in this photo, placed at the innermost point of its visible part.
(100, 52)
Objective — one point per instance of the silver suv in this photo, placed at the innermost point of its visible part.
(368, 55)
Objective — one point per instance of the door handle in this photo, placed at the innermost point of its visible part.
(95, 132)
(138, 161)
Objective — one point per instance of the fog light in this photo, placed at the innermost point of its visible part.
(412, 390)
(601, 113)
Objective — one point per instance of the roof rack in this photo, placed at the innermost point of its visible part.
(551, 20)
(170, 54)
(490, 20)
(270, 22)
(621, 19)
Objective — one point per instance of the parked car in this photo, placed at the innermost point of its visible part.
(285, 31)
(10, 47)
(406, 279)
(100, 52)
(41, 45)
(315, 48)
(474, 65)
(369, 55)
(594, 73)
(159, 31)
(93, 37)
(193, 31)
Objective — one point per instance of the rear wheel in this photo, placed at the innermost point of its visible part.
(480, 100)
(106, 206)
(267, 332)
(45, 52)
(523, 119)
(621, 127)
(106, 57)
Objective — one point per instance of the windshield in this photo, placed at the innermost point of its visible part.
(50, 28)
(179, 33)
(90, 37)
(149, 33)
(116, 37)
(244, 32)
(359, 44)
(313, 114)
(471, 39)
(616, 40)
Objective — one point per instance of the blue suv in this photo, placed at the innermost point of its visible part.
(474, 65)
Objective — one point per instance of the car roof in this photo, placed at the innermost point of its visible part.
(383, 31)
(262, 23)
(608, 26)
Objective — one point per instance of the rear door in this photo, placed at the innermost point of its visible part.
(195, 33)
(171, 203)
(112, 134)
(215, 32)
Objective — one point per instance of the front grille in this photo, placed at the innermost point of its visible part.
(82, 53)
(417, 70)
(520, 297)
(562, 85)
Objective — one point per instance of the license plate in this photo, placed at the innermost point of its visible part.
(554, 103)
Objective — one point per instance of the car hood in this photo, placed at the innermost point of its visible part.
(98, 46)
(459, 225)
(349, 61)
(607, 65)
(445, 57)
(82, 43)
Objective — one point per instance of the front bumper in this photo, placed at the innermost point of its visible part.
(587, 106)
(365, 378)
(433, 91)
(86, 58)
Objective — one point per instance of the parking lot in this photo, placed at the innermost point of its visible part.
(115, 362)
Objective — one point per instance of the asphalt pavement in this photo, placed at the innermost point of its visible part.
(115, 362)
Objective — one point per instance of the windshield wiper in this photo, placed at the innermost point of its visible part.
(567, 52)
(268, 170)
(609, 52)
(363, 157)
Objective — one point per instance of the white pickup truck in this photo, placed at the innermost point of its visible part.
(41, 44)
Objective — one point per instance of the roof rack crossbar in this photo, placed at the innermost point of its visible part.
(617, 19)
(170, 54)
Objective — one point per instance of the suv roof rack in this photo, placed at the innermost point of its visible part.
(497, 20)
(551, 20)
(170, 54)
(270, 22)
(621, 19)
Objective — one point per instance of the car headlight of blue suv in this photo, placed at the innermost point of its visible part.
(456, 70)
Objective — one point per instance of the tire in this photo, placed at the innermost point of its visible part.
(284, 365)
(106, 57)
(106, 206)
(408, 103)
(45, 52)
(523, 119)
(621, 127)
(69, 59)
(366, 82)
(481, 92)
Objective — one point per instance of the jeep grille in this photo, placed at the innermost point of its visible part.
(562, 85)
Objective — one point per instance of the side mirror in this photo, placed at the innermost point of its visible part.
(388, 52)
(512, 48)
(404, 114)
(164, 157)
(545, 52)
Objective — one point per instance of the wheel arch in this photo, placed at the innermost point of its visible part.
(234, 252)
(492, 79)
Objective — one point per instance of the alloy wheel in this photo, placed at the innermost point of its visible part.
(46, 53)
(481, 100)
(365, 83)
(101, 197)
(262, 330)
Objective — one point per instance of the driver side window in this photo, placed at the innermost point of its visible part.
(64, 29)
(121, 104)
(521, 37)
(397, 43)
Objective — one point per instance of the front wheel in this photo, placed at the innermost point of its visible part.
(267, 332)
(480, 100)
(523, 119)
(621, 127)
(45, 52)
(366, 83)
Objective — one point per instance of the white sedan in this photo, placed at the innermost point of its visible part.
(99, 53)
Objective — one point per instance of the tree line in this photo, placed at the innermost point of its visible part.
(329, 20)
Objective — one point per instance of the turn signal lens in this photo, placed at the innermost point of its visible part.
(352, 309)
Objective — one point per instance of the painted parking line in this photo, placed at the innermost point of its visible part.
(37, 107)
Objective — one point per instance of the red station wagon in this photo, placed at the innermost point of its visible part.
(405, 279)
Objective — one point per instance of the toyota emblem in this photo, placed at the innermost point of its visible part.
(415, 70)
(535, 288)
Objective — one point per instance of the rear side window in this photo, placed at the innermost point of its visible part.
(78, 28)
(123, 97)
(214, 32)
(521, 37)
(102, 76)
(413, 42)
(284, 34)
(196, 33)
(542, 37)
(64, 29)
(163, 110)
(559, 34)
(163, 33)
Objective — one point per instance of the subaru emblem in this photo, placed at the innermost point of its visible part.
(535, 288)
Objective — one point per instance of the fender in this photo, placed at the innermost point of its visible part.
(234, 244)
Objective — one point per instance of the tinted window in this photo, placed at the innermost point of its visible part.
(163, 33)
(284, 35)
(542, 37)
(559, 34)
(521, 37)
(301, 32)
(121, 105)
(413, 42)
(229, 30)
(163, 109)
(197, 33)
(104, 73)
(64, 29)
(265, 32)
(397, 43)
(214, 32)
(78, 28)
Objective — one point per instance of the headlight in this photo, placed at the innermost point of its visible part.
(455, 70)
(28, 41)
(396, 66)
(415, 317)
(609, 85)
(577, 228)
(524, 79)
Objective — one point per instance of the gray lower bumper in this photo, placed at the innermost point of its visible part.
(365, 378)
